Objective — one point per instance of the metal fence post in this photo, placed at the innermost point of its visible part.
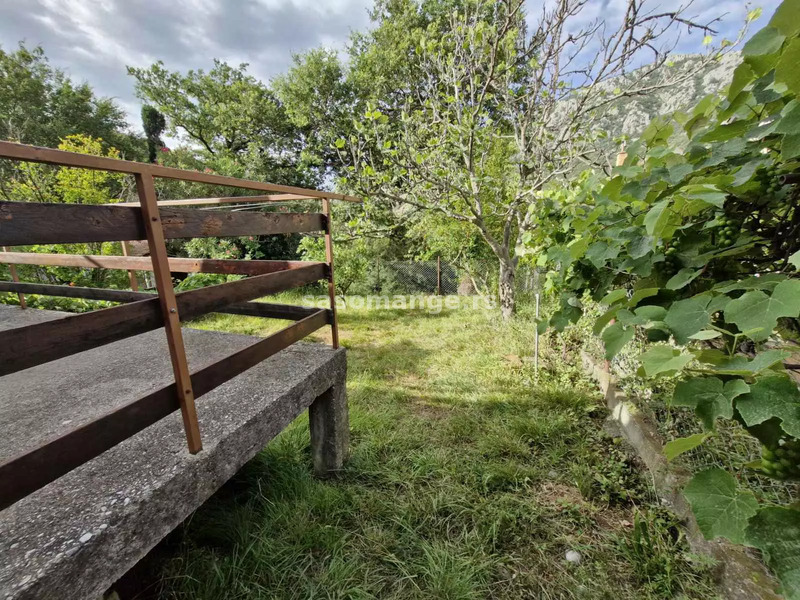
(438, 275)
(536, 340)
(326, 209)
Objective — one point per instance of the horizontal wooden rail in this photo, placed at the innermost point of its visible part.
(26, 223)
(23, 224)
(85, 161)
(254, 309)
(32, 345)
(32, 470)
(225, 200)
(143, 263)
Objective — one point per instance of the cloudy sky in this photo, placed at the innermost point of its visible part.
(93, 40)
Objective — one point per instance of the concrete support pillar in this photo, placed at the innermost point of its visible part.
(330, 430)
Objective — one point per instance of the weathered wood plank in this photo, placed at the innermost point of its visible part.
(188, 223)
(24, 223)
(74, 159)
(145, 186)
(67, 291)
(208, 378)
(32, 345)
(144, 263)
(254, 309)
(210, 299)
(224, 200)
(28, 472)
(271, 310)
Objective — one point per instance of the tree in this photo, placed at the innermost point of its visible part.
(693, 244)
(40, 105)
(33, 182)
(503, 109)
(153, 123)
(235, 121)
(321, 102)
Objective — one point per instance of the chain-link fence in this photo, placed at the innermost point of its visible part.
(439, 277)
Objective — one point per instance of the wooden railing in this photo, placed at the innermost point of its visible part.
(38, 223)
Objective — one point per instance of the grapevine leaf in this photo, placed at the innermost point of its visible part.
(741, 77)
(687, 317)
(766, 282)
(758, 313)
(614, 296)
(604, 319)
(640, 246)
(682, 278)
(785, 19)
(721, 152)
(626, 317)
(650, 313)
(762, 64)
(641, 294)
(710, 397)
(790, 146)
(664, 360)
(657, 332)
(678, 446)
(723, 133)
(760, 131)
(677, 173)
(655, 221)
(709, 196)
(615, 337)
(767, 41)
(599, 252)
(794, 260)
(740, 365)
(772, 396)
(635, 189)
(720, 509)
(577, 248)
(790, 120)
(705, 334)
(776, 532)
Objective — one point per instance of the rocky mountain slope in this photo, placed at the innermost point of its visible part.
(631, 116)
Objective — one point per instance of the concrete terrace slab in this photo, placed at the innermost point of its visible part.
(76, 536)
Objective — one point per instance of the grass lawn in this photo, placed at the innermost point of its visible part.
(467, 479)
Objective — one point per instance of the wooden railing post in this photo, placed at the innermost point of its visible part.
(169, 308)
(126, 251)
(326, 209)
(15, 277)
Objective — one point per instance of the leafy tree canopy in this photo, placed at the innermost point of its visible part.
(40, 105)
(235, 120)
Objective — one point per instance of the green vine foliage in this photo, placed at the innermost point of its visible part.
(695, 241)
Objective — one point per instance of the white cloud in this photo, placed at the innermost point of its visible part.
(95, 40)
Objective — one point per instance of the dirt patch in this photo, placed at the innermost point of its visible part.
(561, 496)
(430, 411)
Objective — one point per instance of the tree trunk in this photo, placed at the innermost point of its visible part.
(508, 304)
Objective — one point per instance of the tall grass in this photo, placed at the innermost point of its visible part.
(468, 478)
